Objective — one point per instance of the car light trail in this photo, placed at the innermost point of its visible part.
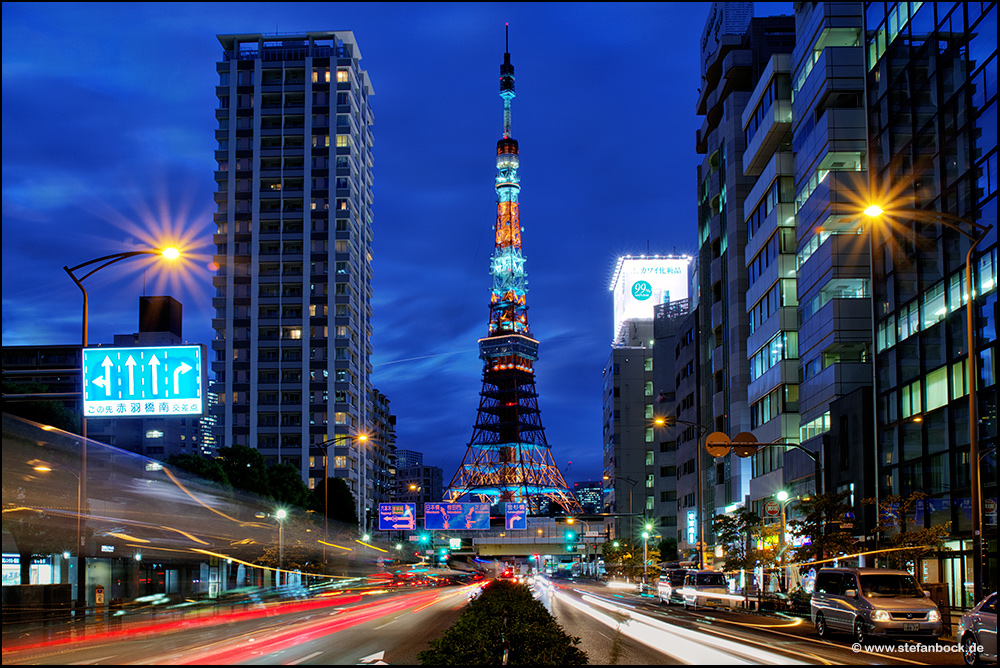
(299, 634)
(688, 645)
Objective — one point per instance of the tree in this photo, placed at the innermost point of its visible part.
(36, 531)
(245, 468)
(737, 531)
(624, 558)
(504, 625)
(298, 550)
(284, 485)
(905, 545)
(667, 549)
(203, 467)
(820, 520)
(340, 502)
(48, 412)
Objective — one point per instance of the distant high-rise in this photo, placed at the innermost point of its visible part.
(294, 240)
(642, 286)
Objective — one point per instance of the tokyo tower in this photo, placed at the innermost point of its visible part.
(508, 459)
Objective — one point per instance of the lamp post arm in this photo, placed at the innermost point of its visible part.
(108, 260)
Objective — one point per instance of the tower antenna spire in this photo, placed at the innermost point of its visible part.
(506, 37)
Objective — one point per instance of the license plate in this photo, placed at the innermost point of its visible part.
(911, 627)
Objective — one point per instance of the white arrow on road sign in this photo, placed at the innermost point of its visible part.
(130, 363)
(154, 363)
(105, 381)
(183, 368)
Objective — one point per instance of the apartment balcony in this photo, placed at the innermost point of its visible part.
(774, 128)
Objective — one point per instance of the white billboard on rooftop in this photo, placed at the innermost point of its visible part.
(641, 283)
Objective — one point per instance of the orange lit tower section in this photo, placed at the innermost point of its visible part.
(508, 459)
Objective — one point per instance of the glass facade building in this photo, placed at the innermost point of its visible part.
(931, 84)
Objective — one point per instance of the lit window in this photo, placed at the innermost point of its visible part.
(343, 75)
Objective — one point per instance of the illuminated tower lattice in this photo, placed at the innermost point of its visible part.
(508, 459)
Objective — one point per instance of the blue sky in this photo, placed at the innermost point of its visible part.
(108, 144)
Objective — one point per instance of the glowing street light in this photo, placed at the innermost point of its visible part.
(955, 222)
(337, 439)
(101, 262)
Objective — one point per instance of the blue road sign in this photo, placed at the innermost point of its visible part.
(397, 516)
(456, 516)
(139, 382)
(515, 516)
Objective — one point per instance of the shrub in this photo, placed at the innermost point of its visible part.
(505, 618)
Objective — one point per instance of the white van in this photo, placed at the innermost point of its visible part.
(868, 602)
(705, 589)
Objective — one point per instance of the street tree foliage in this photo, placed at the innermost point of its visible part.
(284, 485)
(625, 560)
(504, 625)
(40, 512)
(203, 467)
(667, 549)
(340, 502)
(297, 549)
(904, 540)
(820, 518)
(43, 411)
(244, 466)
(740, 532)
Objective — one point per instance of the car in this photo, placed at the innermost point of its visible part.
(867, 602)
(669, 588)
(705, 589)
(977, 632)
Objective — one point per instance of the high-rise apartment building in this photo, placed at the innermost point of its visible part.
(932, 135)
(294, 240)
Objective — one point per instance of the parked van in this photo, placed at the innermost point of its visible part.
(670, 587)
(867, 602)
(705, 588)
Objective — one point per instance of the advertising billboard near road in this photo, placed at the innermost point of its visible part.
(641, 283)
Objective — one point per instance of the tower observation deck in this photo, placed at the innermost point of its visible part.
(508, 458)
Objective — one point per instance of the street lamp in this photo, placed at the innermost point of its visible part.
(645, 557)
(107, 260)
(783, 498)
(954, 222)
(632, 483)
(280, 515)
(338, 438)
(670, 421)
